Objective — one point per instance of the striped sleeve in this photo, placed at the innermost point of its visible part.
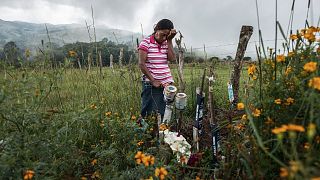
(144, 45)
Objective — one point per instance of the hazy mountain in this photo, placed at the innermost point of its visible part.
(30, 35)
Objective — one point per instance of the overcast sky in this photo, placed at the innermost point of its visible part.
(215, 23)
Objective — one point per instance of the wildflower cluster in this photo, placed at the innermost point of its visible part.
(145, 159)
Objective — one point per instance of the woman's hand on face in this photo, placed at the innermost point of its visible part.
(172, 33)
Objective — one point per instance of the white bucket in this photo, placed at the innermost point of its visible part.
(169, 93)
(181, 101)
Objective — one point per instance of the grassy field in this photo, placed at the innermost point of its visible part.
(57, 121)
(68, 123)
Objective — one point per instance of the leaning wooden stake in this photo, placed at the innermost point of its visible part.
(181, 64)
(245, 34)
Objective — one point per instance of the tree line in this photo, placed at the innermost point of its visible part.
(78, 52)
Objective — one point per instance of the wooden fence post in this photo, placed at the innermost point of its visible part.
(245, 34)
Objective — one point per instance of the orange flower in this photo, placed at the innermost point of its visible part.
(28, 174)
(139, 157)
(256, 113)
(163, 127)
(284, 172)
(279, 130)
(310, 36)
(280, 58)
(277, 101)
(244, 117)
(133, 117)
(314, 83)
(288, 70)
(139, 143)
(160, 172)
(240, 106)
(94, 162)
(289, 101)
(93, 106)
(293, 127)
(108, 114)
(148, 160)
(310, 66)
(293, 36)
(251, 69)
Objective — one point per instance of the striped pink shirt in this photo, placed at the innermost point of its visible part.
(157, 59)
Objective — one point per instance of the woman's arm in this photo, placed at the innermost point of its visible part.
(171, 54)
(144, 69)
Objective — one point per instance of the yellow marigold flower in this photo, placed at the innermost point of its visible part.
(133, 117)
(28, 174)
(303, 31)
(280, 58)
(284, 172)
(139, 156)
(160, 172)
(279, 130)
(256, 113)
(251, 69)
(108, 114)
(310, 36)
(240, 106)
(293, 36)
(293, 127)
(289, 101)
(312, 29)
(139, 143)
(163, 127)
(148, 160)
(288, 70)
(277, 101)
(315, 83)
(94, 162)
(310, 66)
(244, 117)
(240, 126)
(93, 106)
(198, 178)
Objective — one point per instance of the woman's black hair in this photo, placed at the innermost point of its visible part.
(163, 24)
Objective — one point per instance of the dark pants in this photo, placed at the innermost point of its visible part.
(152, 100)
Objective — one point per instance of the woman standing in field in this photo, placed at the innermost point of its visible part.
(154, 53)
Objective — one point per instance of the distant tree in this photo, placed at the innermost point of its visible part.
(247, 58)
(228, 58)
(12, 54)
